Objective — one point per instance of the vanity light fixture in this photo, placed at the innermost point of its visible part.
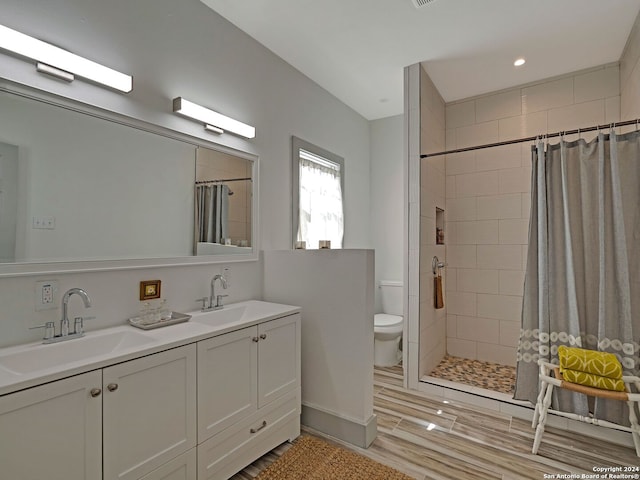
(213, 121)
(61, 63)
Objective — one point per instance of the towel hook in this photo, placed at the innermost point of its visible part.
(436, 265)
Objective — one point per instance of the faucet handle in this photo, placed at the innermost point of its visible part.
(203, 300)
(49, 330)
(78, 324)
(219, 300)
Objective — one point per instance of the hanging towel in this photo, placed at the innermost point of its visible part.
(589, 361)
(438, 300)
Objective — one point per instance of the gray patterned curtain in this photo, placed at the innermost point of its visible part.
(582, 284)
(212, 213)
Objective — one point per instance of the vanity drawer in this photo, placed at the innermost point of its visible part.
(232, 449)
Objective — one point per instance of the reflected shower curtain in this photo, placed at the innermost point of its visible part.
(582, 284)
(212, 213)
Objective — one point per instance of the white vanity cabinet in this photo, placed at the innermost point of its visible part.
(191, 404)
(183, 467)
(53, 431)
(149, 412)
(248, 395)
(121, 422)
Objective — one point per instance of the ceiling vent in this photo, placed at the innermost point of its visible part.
(421, 3)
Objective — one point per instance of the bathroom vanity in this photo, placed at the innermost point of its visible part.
(198, 400)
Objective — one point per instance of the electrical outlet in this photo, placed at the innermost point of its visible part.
(226, 273)
(45, 294)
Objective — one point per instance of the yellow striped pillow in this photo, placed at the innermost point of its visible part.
(602, 364)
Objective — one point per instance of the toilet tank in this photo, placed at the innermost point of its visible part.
(391, 297)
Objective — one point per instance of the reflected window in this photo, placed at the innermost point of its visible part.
(318, 188)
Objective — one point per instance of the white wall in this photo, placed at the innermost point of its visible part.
(387, 199)
(185, 49)
(337, 335)
(488, 200)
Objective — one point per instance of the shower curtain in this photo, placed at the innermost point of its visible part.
(212, 212)
(582, 284)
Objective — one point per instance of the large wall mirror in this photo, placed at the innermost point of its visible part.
(83, 189)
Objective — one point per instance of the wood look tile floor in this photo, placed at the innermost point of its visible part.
(428, 439)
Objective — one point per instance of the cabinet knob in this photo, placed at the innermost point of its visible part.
(256, 430)
(112, 387)
(95, 392)
(263, 336)
(255, 339)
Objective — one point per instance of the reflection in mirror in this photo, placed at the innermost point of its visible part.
(8, 201)
(79, 186)
(222, 203)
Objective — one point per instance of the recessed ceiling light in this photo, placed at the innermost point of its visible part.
(519, 62)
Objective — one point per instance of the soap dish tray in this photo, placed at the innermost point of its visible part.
(173, 320)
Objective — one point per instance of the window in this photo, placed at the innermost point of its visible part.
(318, 186)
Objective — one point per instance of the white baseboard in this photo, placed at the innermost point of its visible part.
(346, 429)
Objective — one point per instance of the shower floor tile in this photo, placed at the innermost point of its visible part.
(491, 376)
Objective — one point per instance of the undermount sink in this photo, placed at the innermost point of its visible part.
(32, 358)
(239, 312)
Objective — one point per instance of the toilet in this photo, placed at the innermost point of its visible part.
(388, 325)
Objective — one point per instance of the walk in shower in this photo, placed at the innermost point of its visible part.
(474, 209)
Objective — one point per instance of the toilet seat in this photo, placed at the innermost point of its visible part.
(385, 323)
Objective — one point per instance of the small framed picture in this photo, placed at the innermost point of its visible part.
(149, 289)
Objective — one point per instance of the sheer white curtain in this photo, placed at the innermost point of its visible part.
(321, 214)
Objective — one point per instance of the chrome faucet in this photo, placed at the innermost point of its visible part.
(210, 305)
(78, 327)
(64, 321)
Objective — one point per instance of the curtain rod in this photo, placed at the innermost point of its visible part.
(531, 139)
(223, 180)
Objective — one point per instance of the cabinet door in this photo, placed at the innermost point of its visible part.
(227, 379)
(149, 410)
(53, 431)
(278, 358)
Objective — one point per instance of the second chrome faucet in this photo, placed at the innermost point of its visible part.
(214, 302)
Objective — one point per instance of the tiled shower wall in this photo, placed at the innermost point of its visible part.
(432, 196)
(488, 200)
(630, 75)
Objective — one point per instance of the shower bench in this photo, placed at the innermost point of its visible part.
(550, 377)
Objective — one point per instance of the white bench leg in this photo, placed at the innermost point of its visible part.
(635, 428)
(547, 391)
(536, 412)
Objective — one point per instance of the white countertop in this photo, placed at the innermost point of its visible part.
(28, 365)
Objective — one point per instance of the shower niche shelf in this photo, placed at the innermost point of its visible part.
(439, 226)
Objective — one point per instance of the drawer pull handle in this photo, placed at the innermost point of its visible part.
(112, 387)
(255, 339)
(256, 430)
(263, 336)
(95, 392)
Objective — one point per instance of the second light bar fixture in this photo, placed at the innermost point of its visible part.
(213, 121)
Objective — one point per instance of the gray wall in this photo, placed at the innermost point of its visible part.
(387, 199)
